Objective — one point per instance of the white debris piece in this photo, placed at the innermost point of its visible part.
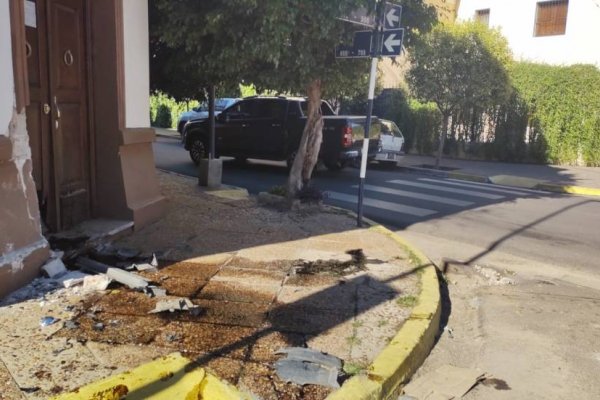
(72, 278)
(54, 268)
(96, 283)
(172, 305)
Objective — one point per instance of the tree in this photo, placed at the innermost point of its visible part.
(285, 46)
(460, 66)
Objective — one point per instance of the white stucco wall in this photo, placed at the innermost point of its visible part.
(137, 68)
(7, 85)
(516, 19)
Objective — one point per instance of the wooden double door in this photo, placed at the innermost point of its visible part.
(57, 116)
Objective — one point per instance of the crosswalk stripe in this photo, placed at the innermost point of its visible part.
(523, 190)
(385, 205)
(447, 189)
(415, 195)
(480, 186)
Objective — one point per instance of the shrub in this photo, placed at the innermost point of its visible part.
(163, 117)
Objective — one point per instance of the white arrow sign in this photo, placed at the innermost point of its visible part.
(392, 42)
(393, 13)
(392, 18)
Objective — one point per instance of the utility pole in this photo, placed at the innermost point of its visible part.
(375, 53)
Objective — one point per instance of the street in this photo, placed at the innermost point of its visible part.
(467, 221)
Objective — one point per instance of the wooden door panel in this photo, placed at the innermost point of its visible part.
(68, 92)
(67, 49)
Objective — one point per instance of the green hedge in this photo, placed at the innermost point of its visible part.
(165, 111)
(553, 116)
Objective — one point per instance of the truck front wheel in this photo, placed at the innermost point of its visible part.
(197, 151)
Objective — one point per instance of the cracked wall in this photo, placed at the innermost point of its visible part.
(23, 248)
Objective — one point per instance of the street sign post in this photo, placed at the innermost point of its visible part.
(384, 40)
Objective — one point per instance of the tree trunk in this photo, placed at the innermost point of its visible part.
(438, 160)
(310, 143)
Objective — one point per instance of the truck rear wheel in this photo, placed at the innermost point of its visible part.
(334, 165)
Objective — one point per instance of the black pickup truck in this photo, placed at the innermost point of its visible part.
(270, 128)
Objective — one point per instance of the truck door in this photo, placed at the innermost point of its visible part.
(231, 138)
(266, 129)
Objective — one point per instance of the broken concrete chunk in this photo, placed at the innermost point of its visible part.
(155, 291)
(96, 283)
(310, 355)
(172, 305)
(72, 278)
(306, 366)
(54, 268)
(144, 267)
(128, 279)
(154, 261)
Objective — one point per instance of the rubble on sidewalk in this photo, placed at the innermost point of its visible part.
(307, 366)
(172, 305)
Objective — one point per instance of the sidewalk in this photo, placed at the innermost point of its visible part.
(528, 175)
(168, 133)
(252, 281)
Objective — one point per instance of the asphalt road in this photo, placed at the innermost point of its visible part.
(470, 222)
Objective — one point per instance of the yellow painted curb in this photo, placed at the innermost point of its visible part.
(411, 345)
(580, 190)
(170, 377)
(467, 177)
(516, 181)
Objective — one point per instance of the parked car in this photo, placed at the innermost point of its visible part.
(391, 141)
(202, 112)
(271, 128)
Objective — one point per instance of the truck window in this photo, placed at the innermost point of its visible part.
(271, 109)
(325, 108)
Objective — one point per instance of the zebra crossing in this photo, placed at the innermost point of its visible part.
(425, 197)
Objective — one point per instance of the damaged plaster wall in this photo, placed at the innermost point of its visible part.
(22, 246)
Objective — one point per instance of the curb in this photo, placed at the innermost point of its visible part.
(566, 189)
(411, 345)
(543, 186)
(169, 377)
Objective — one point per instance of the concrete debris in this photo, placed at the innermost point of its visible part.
(99, 326)
(96, 283)
(128, 279)
(47, 321)
(450, 331)
(172, 305)
(494, 277)
(54, 268)
(155, 291)
(72, 278)
(306, 366)
(446, 383)
(144, 267)
(154, 261)
(71, 325)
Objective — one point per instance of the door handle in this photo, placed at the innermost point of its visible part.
(46, 108)
(275, 125)
(57, 108)
(244, 125)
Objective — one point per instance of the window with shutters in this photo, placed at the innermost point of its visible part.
(551, 18)
(483, 16)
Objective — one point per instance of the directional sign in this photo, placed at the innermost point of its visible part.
(361, 46)
(392, 16)
(391, 45)
(360, 16)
